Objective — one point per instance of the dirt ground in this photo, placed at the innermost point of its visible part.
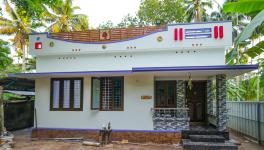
(24, 142)
(246, 143)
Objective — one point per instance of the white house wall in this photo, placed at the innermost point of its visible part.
(125, 61)
(136, 114)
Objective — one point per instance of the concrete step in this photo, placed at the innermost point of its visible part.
(207, 138)
(186, 133)
(190, 145)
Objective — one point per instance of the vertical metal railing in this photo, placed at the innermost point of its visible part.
(247, 118)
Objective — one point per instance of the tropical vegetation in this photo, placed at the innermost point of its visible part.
(63, 18)
(6, 60)
(25, 17)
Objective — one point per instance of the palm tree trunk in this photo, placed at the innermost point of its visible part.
(23, 58)
(2, 127)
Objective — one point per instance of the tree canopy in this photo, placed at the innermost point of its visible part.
(63, 18)
(161, 11)
(5, 59)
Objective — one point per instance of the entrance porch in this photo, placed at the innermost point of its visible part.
(195, 108)
(181, 103)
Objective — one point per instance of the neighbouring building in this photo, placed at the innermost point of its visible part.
(151, 83)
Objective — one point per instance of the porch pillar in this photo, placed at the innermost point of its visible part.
(210, 97)
(221, 112)
(181, 94)
(182, 114)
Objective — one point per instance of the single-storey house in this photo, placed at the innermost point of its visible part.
(151, 83)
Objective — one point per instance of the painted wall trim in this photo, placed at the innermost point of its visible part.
(191, 68)
(190, 23)
(144, 69)
(72, 73)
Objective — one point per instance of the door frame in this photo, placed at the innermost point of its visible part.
(205, 116)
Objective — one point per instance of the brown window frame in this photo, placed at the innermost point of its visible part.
(112, 101)
(61, 97)
(165, 83)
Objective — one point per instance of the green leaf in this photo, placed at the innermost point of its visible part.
(250, 28)
(255, 50)
(244, 6)
(231, 56)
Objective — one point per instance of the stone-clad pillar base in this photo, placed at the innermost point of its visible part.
(210, 97)
(221, 112)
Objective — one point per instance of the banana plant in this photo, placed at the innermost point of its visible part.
(249, 7)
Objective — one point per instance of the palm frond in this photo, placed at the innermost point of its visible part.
(8, 30)
(55, 27)
(80, 22)
(5, 23)
(10, 10)
(5, 19)
(76, 8)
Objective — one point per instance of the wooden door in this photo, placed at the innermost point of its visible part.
(165, 94)
(196, 101)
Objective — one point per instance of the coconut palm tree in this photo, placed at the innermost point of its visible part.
(19, 26)
(35, 8)
(64, 19)
(195, 10)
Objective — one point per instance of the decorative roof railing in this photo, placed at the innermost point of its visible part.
(115, 34)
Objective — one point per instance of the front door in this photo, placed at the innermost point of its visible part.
(196, 101)
(165, 94)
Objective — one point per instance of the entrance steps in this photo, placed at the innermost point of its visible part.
(204, 131)
(207, 139)
(191, 145)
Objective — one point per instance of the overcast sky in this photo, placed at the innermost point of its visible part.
(99, 11)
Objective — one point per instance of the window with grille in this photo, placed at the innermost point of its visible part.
(66, 94)
(165, 94)
(107, 93)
